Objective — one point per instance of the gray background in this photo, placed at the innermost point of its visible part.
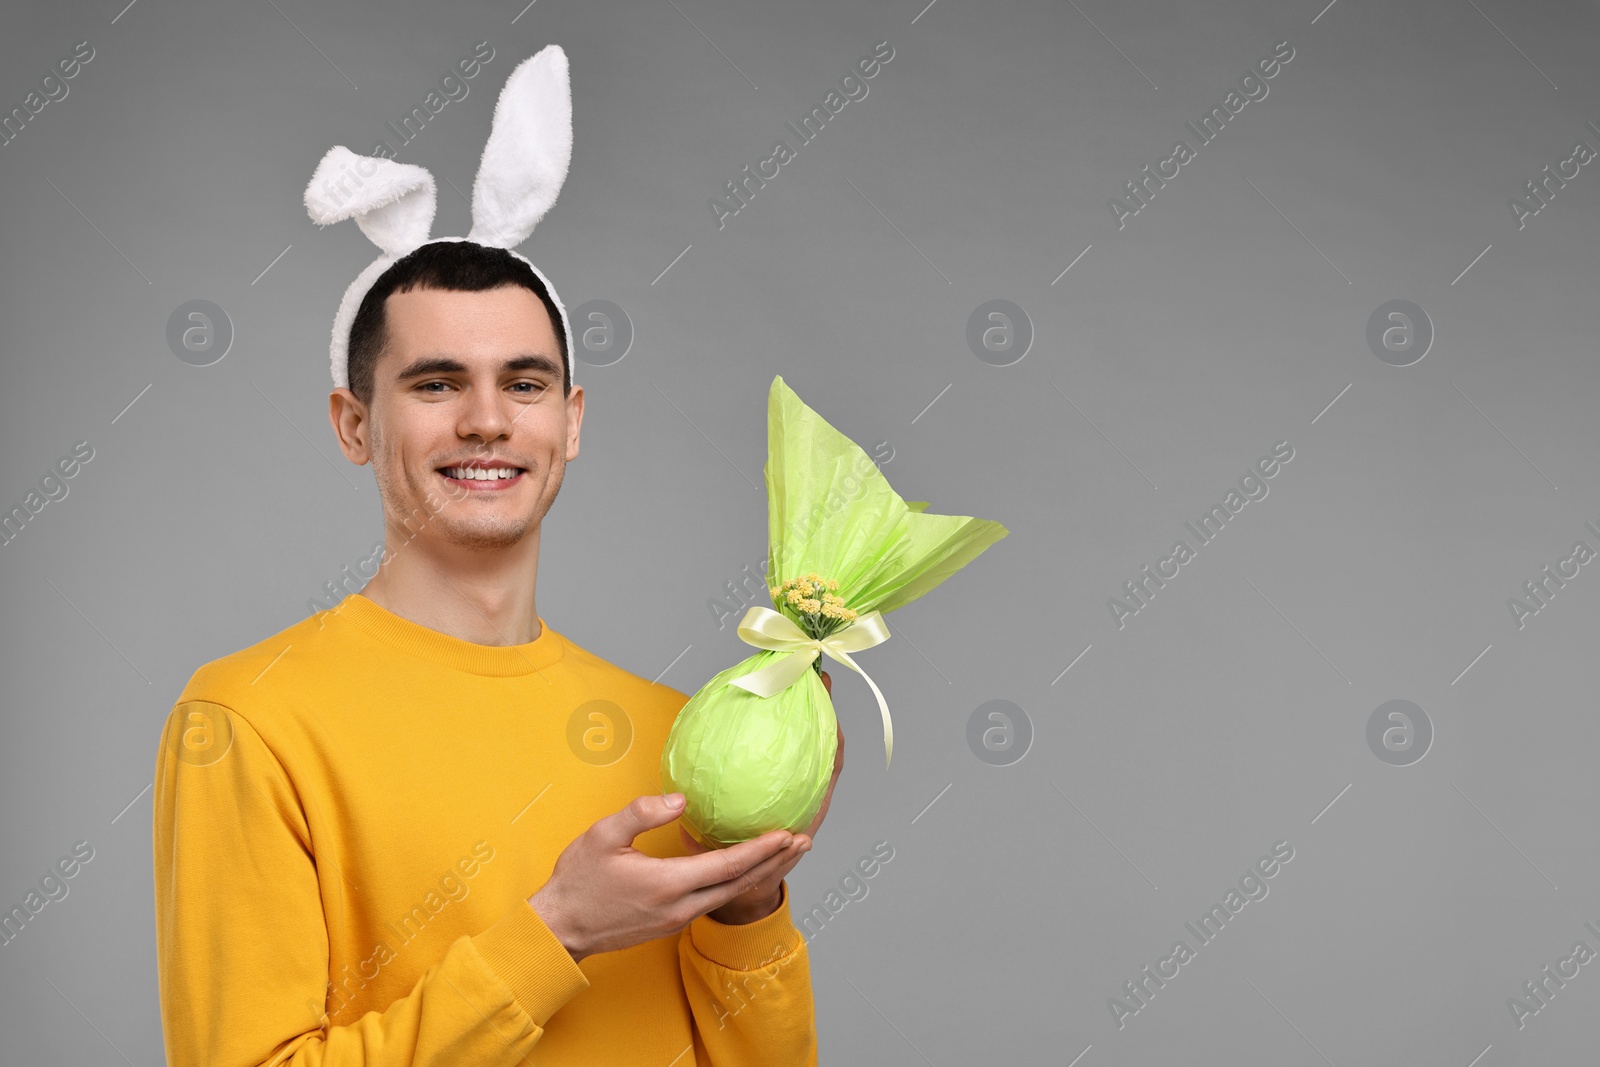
(1228, 315)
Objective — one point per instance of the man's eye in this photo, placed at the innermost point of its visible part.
(425, 386)
(534, 388)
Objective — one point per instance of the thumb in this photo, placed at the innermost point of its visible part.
(641, 814)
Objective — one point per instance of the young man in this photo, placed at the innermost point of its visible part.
(424, 828)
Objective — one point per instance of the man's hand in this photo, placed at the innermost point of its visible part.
(604, 894)
(762, 899)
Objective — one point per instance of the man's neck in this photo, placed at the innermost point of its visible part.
(486, 597)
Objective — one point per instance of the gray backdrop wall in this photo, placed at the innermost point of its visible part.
(1077, 779)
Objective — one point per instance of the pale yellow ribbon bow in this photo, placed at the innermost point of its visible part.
(765, 628)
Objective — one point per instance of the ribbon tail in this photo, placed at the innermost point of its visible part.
(883, 705)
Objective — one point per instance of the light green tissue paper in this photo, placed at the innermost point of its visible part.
(750, 764)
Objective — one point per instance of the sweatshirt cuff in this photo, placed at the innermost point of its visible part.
(747, 946)
(529, 958)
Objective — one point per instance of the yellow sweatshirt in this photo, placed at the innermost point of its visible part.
(350, 817)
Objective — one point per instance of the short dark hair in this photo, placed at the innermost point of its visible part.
(463, 266)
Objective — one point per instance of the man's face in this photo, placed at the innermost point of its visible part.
(470, 383)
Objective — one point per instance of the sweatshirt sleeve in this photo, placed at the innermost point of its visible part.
(749, 987)
(242, 946)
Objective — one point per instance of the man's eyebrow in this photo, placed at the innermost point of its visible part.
(535, 361)
(426, 365)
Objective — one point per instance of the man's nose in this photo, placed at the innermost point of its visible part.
(484, 414)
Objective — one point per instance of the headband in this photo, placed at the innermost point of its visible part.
(524, 164)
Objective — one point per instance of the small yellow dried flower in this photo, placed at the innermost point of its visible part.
(819, 613)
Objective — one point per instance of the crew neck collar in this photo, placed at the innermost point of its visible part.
(413, 639)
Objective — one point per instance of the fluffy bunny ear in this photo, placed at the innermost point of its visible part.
(393, 203)
(529, 149)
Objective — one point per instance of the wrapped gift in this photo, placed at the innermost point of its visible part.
(753, 749)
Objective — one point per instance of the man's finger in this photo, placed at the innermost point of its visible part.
(774, 868)
(722, 865)
(642, 813)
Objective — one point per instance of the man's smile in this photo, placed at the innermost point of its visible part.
(481, 477)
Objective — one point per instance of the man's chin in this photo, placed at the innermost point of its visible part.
(484, 536)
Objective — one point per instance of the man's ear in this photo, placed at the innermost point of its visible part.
(574, 421)
(351, 425)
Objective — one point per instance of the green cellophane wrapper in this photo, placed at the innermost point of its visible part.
(747, 764)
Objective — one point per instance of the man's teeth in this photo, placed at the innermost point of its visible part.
(481, 474)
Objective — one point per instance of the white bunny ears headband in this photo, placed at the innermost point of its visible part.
(524, 165)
